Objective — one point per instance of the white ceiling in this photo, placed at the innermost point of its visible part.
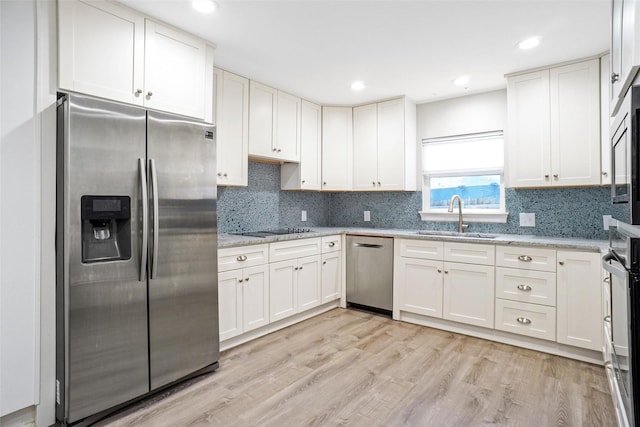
(315, 49)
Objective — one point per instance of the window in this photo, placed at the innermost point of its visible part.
(471, 166)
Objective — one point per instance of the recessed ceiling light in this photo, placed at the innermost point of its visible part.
(461, 81)
(529, 43)
(357, 85)
(204, 6)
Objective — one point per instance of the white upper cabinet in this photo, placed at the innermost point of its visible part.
(605, 120)
(113, 52)
(175, 71)
(625, 49)
(232, 128)
(274, 124)
(306, 175)
(384, 146)
(337, 150)
(553, 115)
(101, 50)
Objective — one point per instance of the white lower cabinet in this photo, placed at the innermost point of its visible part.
(331, 276)
(538, 321)
(468, 295)
(421, 289)
(295, 286)
(580, 299)
(243, 300)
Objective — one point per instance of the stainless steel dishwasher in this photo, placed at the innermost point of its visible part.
(370, 272)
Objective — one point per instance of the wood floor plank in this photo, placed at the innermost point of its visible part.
(348, 367)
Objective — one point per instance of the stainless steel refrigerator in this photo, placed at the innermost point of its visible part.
(137, 288)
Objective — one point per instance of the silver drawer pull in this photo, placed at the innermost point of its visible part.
(525, 288)
(607, 280)
(525, 258)
(607, 319)
(523, 320)
(241, 258)
(332, 244)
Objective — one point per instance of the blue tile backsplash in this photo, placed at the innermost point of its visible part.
(562, 212)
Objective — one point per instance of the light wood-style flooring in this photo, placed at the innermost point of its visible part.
(348, 367)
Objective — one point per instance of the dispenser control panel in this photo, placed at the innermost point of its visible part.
(106, 228)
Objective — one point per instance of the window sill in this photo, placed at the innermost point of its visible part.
(490, 217)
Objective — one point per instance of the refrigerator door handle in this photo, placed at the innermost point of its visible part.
(156, 221)
(145, 216)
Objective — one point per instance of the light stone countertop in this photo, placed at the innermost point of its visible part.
(231, 240)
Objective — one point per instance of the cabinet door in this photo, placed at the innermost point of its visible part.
(528, 138)
(616, 51)
(287, 143)
(420, 286)
(391, 145)
(230, 304)
(605, 120)
(575, 123)
(306, 175)
(175, 71)
(283, 289)
(309, 283)
(469, 294)
(255, 297)
(232, 128)
(365, 148)
(262, 119)
(331, 276)
(101, 50)
(580, 299)
(336, 148)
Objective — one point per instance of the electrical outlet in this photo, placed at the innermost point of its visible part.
(527, 220)
(606, 221)
(367, 215)
(303, 216)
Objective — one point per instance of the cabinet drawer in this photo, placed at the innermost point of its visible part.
(538, 321)
(243, 256)
(291, 249)
(423, 249)
(526, 258)
(538, 287)
(469, 253)
(331, 244)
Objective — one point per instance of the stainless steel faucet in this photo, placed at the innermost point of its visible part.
(461, 226)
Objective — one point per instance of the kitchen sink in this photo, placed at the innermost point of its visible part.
(456, 234)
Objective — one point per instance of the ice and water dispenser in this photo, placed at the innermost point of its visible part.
(106, 228)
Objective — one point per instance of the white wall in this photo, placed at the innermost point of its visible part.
(458, 116)
(19, 208)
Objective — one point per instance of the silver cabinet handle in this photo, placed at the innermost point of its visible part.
(614, 77)
(145, 219)
(608, 365)
(300, 268)
(373, 183)
(523, 320)
(273, 149)
(241, 258)
(224, 174)
(332, 244)
(295, 268)
(525, 258)
(555, 175)
(379, 184)
(561, 262)
(324, 182)
(149, 94)
(607, 319)
(138, 92)
(219, 174)
(240, 280)
(439, 271)
(279, 150)
(525, 288)
(324, 262)
(246, 280)
(156, 220)
(604, 174)
(303, 181)
(546, 176)
(446, 272)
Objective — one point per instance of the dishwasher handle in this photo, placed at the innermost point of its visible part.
(367, 245)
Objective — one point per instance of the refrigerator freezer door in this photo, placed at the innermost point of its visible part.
(183, 289)
(102, 305)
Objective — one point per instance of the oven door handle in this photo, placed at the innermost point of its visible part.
(616, 271)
